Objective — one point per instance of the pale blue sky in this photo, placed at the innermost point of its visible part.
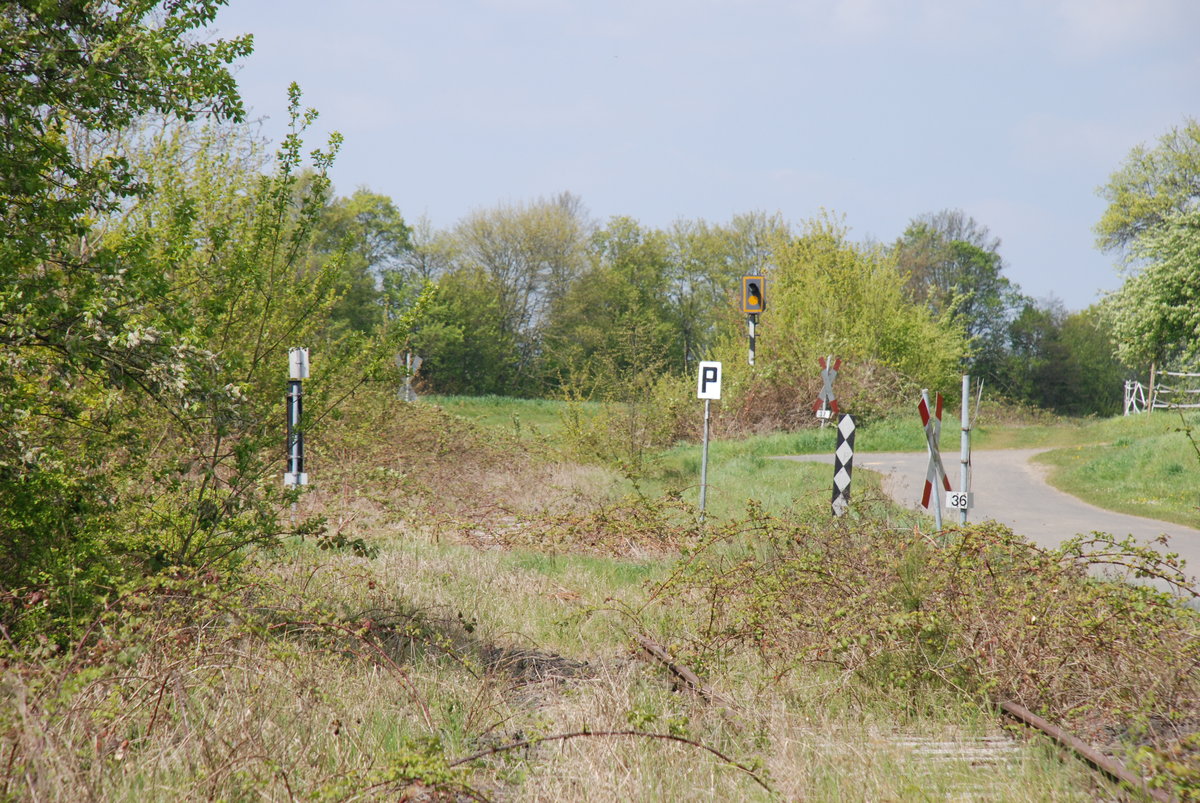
(1014, 111)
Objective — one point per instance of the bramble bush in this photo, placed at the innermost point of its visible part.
(979, 609)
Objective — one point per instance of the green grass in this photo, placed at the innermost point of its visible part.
(746, 470)
(1154, 475)
(1064, 432)
(1142, 464)
(524, 417)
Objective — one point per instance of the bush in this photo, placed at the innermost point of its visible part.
(980, 609)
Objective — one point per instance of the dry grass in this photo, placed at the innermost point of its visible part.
(326, 675)
(345, 678)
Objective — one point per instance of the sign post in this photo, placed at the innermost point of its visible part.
(826, 405)
(708, 387)
(297, 371)
(843, 464)
(409, 363)
(935, 477)
(964, 473)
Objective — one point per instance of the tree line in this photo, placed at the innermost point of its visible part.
(537, 298)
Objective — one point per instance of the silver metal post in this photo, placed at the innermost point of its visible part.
(965, 454)
(752, 326)
(704, 462)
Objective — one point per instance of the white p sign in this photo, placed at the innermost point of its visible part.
(708, 386)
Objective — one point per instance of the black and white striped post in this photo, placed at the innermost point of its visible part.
(843, 464)
(298, 371)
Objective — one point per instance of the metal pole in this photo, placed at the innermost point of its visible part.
(965, 455)
(704, 462)
(752, 322)
(1153, 387)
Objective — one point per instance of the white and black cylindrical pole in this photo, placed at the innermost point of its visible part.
(298, 371)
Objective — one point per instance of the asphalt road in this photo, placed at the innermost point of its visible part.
(1012, 490)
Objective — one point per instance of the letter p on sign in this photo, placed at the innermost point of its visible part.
(708, 386)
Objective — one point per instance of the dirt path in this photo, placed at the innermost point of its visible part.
(1012, 490)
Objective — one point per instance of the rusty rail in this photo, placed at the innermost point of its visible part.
(1109, 767)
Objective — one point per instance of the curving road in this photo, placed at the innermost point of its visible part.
(1013, 491)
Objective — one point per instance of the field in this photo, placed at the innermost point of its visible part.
(471, 625)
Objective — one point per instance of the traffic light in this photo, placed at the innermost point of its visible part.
(754, 298)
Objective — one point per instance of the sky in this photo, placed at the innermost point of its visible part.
(876, 111)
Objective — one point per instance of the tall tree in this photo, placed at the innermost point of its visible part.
(461, 337)
(1062, 361)
(431, 253)
(1156, 313)
(953, 265)
(1150, 186)
(832, 296)
(706, 264)
(367, 234)
(532, 252)
(1153, 221)
(620, 316)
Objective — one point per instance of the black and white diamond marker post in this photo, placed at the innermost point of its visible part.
(843, 464)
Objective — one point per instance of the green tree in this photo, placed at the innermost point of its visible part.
(461, 337)
(367, 234)
(1152, 219)
(1096, 375)
(230, 246)
(81, 335)
(1156, 313)
(532, 252)
(430, 253)
(1152, 185)
(620, 317)
(1062, 361)
(706, 265)
(832, 296)
(954, 266)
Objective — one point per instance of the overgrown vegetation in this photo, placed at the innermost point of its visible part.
(476, 593)
(451, 612)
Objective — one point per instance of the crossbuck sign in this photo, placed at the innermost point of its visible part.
(936, 474)
(826, 405)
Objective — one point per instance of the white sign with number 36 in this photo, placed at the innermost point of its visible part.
(958, 500)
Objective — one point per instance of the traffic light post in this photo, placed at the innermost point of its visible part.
(754, 301)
